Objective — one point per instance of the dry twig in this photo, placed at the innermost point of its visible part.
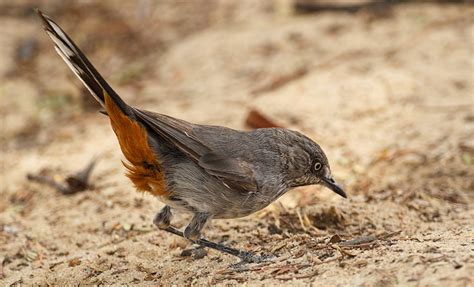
(74, 183)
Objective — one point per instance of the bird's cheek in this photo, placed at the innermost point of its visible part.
(327, 172)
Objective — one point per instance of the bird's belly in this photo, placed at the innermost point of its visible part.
(246, 204)
(193, 190)
(221, 203)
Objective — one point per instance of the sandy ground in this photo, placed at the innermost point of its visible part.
(388, 94)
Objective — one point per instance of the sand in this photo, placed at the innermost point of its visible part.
(389, 95)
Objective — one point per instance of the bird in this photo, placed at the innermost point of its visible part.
(207, 171)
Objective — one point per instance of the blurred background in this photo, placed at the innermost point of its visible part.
(385, 87)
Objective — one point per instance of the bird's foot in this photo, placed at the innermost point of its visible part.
(245, 256)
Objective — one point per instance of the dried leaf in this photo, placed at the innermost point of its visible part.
(257, 120)
(335, 239)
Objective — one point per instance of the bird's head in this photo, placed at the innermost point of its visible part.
(308, 164)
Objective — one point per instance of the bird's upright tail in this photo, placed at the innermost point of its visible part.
(143, 165)
(80, 65)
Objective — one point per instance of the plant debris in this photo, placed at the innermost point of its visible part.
(72, 184)
(358, 241)
(257, 120)
(401, 145)
(195, 253)
(281, 80)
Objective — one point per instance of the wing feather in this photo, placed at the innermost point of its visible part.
(234, 171)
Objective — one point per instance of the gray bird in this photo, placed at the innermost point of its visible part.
(208, 171)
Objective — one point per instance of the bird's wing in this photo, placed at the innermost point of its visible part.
(236, 172)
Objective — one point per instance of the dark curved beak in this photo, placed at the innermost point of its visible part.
(332, 185)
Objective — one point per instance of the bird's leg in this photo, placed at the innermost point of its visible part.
(193, 232)
(162, 219)
(243, 255)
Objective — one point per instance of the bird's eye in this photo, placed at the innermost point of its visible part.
(317, 166)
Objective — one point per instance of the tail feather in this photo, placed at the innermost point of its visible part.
(80, 65)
